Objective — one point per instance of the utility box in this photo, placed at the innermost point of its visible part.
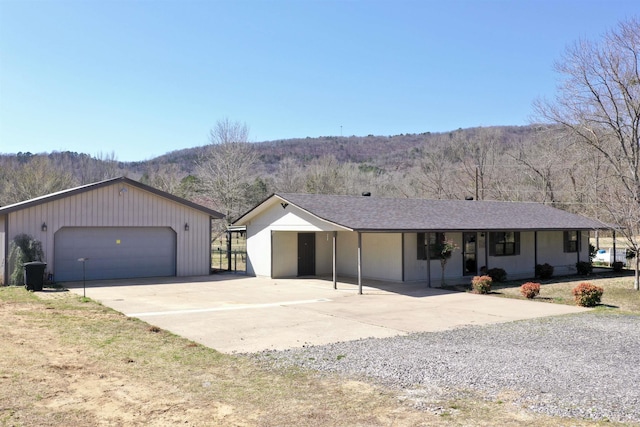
(34, 275)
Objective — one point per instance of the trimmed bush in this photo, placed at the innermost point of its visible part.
(587, 295)
(530, 290)
(481, 284)
(497, 274)
(544, 271)
(617, 266)
(584, 268)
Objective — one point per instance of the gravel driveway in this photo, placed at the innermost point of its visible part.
(585, 365)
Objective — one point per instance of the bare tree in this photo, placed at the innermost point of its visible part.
(33, 178)
(435, 176)
(325, 176)
(98, 168)
(599, 102)
(289, 177)
(169, 178)
(543, 164)
(478, 153)
(226, 169)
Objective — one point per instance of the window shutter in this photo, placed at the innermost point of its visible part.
(579, 241)
(516, 238)
(420, 248)
(492, 244)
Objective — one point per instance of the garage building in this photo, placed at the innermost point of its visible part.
(125, 229)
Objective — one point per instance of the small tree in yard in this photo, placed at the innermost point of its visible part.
(443, 251)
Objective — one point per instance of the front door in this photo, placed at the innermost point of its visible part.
(469, 249)
(306, 254)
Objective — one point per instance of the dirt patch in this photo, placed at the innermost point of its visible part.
(69, 361)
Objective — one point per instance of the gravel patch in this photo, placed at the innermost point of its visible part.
(585, 365)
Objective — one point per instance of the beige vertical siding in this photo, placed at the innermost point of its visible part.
(3, 255)
(109, 207)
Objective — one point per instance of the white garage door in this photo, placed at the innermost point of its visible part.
(114, 252)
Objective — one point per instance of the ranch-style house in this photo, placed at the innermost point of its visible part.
(393, 239)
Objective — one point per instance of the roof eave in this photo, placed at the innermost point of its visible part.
(89, 187)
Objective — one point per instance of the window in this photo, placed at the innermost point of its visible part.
(431, 245)
(571, 241)
(505, 243)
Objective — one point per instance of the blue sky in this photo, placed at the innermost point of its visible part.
(142, 78)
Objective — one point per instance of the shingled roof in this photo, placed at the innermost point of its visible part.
(363, 213)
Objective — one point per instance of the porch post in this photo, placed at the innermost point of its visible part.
(335, 273)
(535, 251)
(427, 240)
(486, 250)
(271, 255)
(578, 245)
(359, 263)
(614, 246)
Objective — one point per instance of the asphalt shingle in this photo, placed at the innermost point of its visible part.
(389, 214)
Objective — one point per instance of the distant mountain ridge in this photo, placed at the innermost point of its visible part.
(387, 152)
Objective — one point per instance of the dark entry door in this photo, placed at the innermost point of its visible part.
(469, 249)
(306, 254)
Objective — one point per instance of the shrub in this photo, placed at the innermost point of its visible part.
(584, 268)
(481, 284)
(23, 248)
(497, 274)
(544, 271)
(617, 266)
(587, 295)
(630, 254)
(530, 289)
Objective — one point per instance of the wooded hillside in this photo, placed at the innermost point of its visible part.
(527, 163)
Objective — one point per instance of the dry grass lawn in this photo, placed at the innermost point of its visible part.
(68, 361)
(618, 290)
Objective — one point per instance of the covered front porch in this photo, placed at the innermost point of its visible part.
(395, 256)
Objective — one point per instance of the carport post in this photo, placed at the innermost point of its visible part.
(428, 251)
(359, 263)
(335, 274)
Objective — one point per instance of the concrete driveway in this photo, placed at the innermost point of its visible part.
(246, 314)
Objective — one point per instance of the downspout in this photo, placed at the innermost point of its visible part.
(359, 263)
(335, 247)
